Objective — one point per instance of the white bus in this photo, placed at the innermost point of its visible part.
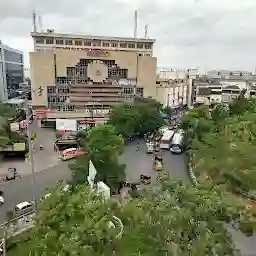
(166, 139)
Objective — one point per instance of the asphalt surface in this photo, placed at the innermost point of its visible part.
(137, 162)
(43, 159)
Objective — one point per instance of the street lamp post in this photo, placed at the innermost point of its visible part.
(31, 156)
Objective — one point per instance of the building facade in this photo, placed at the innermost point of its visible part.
(77, 76)
(227, 74)
(11, 72)
(211, 91)
(175, 87)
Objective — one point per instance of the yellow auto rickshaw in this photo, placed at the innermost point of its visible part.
(158, 163)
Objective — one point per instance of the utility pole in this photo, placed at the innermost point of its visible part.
(4, 240)
(31, 155)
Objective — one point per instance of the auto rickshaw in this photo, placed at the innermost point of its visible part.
(158, 163)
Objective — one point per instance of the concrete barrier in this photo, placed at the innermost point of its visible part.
(190, 171)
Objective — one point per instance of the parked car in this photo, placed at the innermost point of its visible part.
(23, 208)
(1, 197)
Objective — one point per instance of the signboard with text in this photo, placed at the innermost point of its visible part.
(97, 53)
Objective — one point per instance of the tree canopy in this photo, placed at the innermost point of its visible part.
(139, 117)
(171, 219)
(102, 146)
(223, 143)
(7, 114)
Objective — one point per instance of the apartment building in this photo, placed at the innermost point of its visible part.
(209, 90)
(227, 74)
(75, 76)
(11, 72)
(175, 87)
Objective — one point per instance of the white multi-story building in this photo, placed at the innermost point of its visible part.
(227, 74)
(11, 72)
(175, 87)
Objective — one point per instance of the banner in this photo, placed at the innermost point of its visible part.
(14, 127)
(19, 147)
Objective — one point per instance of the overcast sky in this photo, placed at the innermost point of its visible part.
(189, 33)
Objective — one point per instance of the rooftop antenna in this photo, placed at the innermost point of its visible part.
(146, 31)
(135, 23)
(34, 21)
(40, 23)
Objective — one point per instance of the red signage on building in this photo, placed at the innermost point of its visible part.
(42, 112)
(97, 53)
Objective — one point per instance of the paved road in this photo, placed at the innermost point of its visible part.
(137, 162)
(43, 158)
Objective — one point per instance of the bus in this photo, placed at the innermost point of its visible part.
(166, 139)
(178, 142)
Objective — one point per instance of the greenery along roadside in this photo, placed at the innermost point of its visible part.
(9, 114)
(176, 219)
(223, 143)
(103, 146)
(140, 117)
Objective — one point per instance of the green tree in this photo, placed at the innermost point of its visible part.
(140, 117)
(223, 144)
(103, 147)
(174, 219)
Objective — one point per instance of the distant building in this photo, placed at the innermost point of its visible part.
(226, 74)
(71, 75)
(210, 91)
(176, 87)
(11, 72)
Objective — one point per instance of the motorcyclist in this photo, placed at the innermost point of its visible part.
(41, 147)
(137, 145)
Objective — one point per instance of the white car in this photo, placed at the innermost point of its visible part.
(24, 207)
(1, 197)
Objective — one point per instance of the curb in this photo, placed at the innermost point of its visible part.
(190, 171)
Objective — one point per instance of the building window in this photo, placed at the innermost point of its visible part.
(105, 44)
(68, 42)
(59, 41)
(114, 44)
(96, 43)
(148, 46)
(123, 45)
(40, 40)
(49, 40)
(128, 90)
(14, 77)
(51, 89)
(139, 92)
(140, 45)
(131, 45)
(78, 42)
(87, 43)
(13, 56)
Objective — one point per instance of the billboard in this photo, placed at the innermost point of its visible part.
(19, 147)
(14, 127)
(66, 125)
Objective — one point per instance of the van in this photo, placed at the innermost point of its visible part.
(178, 142)
(23, 208)
(166, 139)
